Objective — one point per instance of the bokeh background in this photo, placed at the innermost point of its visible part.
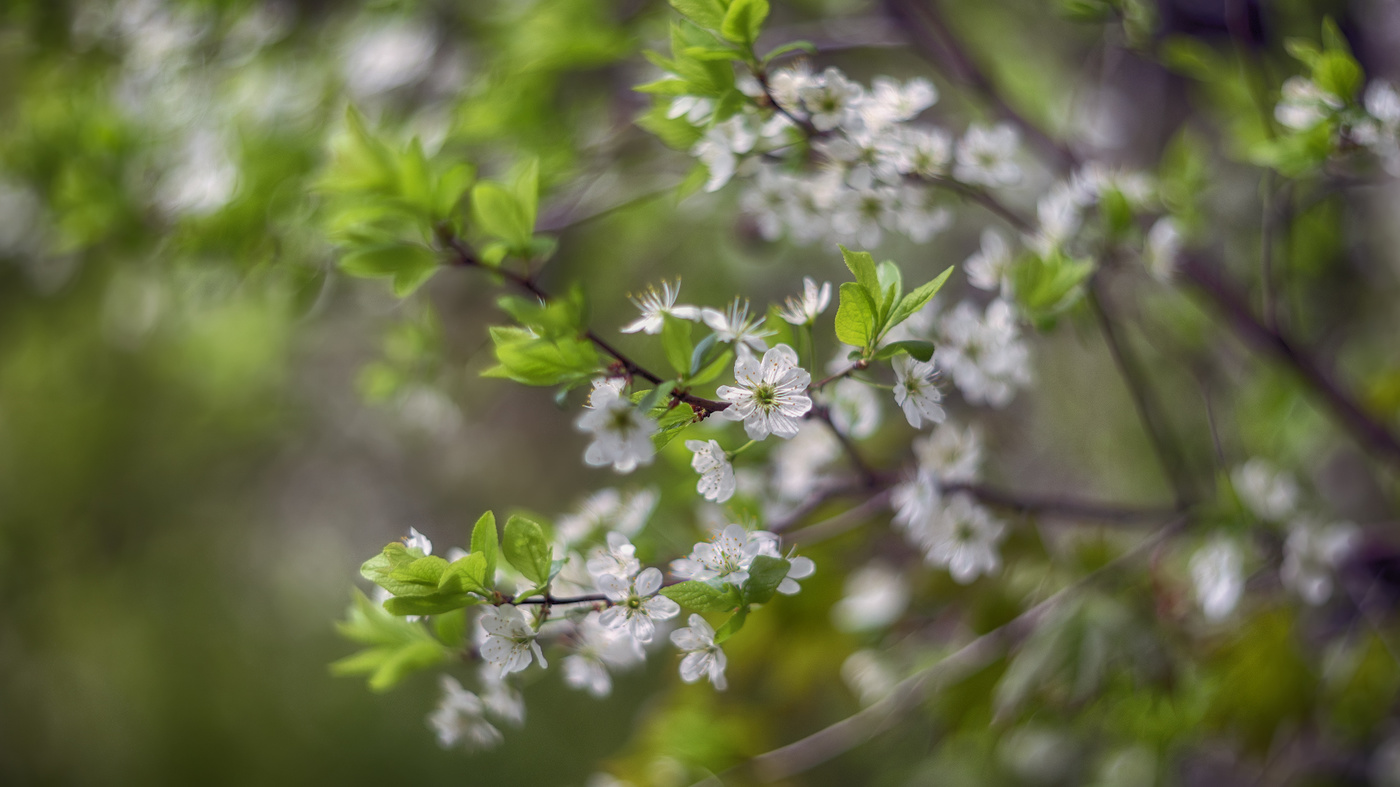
(204, 429)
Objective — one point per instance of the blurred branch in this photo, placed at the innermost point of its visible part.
(841, 737)
(1235, 309)
(931, 35)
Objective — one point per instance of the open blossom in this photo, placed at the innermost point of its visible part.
(1058, 215)
(727, 557)
(720, 148)
(1268, 493)
(1303, 103)
(606, 509)
(831, 99)
(618, 559)
(875, 596)
(636, 607)
(798, 462)
(986, 156)
(621, 432)
(889, 102)
(916, 391)
(501, 701)
(854, 408)
(990, 268)
(598, 650)
(951, 454)
(1217, 571)
(736, 327)
(984, 354)
(656, 305)
(798, 568)
(716, 473)
(814, 300)
(916, 504)
(965, 540)
(925, 152)
(769, 396)
(458, 719)
(510, 640)
(703, 658)
(1311, 554)
(416, 540)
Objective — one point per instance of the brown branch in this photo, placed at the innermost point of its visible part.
(464, 257)
(1234, 308)
(847, 372)
(1060, 507)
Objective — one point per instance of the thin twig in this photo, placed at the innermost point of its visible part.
(848, 371)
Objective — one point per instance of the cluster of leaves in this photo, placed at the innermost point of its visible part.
(875, 303)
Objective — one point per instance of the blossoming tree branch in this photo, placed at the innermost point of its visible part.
(776, 404)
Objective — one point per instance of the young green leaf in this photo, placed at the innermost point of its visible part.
(917, 299)
(525, 548)
(792, 46)
(435, 604)
(486, 542)
(526, 187)
(855, 316)
(701, 597)
(919, 350)
(862, 266)
(498, 212)
(675, 339)
(765, 575)
(466, 575)
(732, 626)
(743, 21)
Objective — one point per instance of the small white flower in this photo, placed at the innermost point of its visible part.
(889, 102)
(1383, 103)
(917, 503)
(990, 268)
(656, 305)
(703, 658)
(769, 396)
(922, 152)
(916, 391)
(1313, 551)
(831, 99)
(501, 701)
(1217, 571)
(797, 462)
(875, 597)
(736, 327)
(1270, 494)
(695, 109)
(984, 354)
(1303, 104)
(918, 214)
(458, 719)
(854, 408)
(619, 559)
(727, 557)
(986, 156)
(814, 300)
(716, 473)
(950, 454)
(1058, 215)
(798, 568)
(597, 650)
(418, 541)
(720, 148)
(965, 540)
(636, 606)
(1163, 249)
(621, 432)
(786, 85)
(510, 640)
(605, 509)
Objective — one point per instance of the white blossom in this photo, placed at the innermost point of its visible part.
(720, 148)
(606, 509)
(917, 503)
(716, 472)
(597, 651)
(889, 102)
(965, 540)
(510, 640)
(769, 201)
(798, 568)
(618, 559)
(1217, 572)
(1058, 215)
(726, 557)
(806, 309)
(418, 541)
(986, 156)
(703, 658)
(769, 396)
(990, 267)
(636, 607)
(734, 326)
(916, 391)
(918, 214)
(854, 408)
(984, 354)
(695, 109)
(925, 152)
(797, 462)
(875, 596)
(1163, 249)
(1270, 494)
(621, 432)
(458, 719)
(1311, 555)
(1303, 104)
(501, 701)
(656, 305)
(831, 99)
(951, 454)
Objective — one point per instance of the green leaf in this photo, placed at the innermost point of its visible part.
(526, 187)
(530, 360)
(671, 424)
(1046, 287)
(920, 350)
(706, 13)
(451, 628)
(765, 575)
(732, 626)
(722, 363)
(525, 548)
(425, 571)
(387, 570)
(675, 339)
(434, 604)
(486, 542)
(917, 299)
(467, 575)
(793, 46)
(701, 596)
(553, 319)
(744, 20)
(855, 316)
(497, 212)
(399, 647)
(410, 264)
(451, 187)
(862, 266)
